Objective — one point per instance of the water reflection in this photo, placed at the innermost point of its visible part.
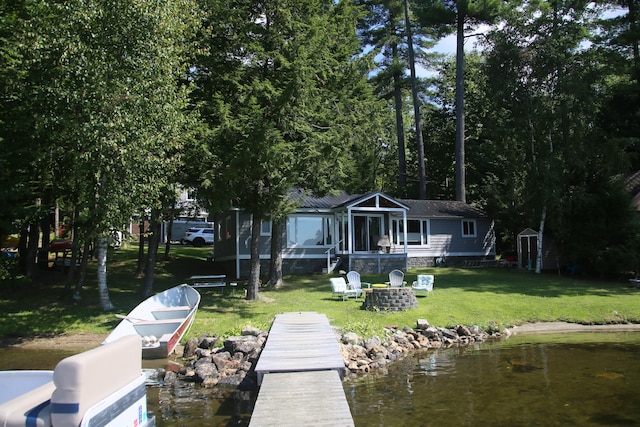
(526, 384)
(577, 380)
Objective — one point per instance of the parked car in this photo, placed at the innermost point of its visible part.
(198, 237)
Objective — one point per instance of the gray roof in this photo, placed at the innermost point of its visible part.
(442, 209)
(417, 208)
(330, 201)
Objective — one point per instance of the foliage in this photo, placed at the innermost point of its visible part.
(285, 103)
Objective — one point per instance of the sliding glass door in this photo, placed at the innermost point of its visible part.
(367, 231)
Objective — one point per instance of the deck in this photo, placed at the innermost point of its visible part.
(299, 371)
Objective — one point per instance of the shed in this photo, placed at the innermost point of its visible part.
(527, 248)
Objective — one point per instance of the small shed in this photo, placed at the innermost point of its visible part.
(527, 248)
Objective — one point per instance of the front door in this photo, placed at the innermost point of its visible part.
(367, 229)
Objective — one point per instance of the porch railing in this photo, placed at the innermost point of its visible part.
(331, 267)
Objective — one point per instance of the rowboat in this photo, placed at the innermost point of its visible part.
(104, 386)
(160, 321)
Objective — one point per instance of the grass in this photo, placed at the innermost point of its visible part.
(489, 298)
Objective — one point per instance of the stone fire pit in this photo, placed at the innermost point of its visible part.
(389, 299)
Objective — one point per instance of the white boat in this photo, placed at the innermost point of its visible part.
(104, 386)
(160, 321)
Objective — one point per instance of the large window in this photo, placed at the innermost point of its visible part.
(309, 231)
(417, 232)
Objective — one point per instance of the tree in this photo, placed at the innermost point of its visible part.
(279, 89)
(383, 31)
(544, 88)
(459, 16)
(103, 87)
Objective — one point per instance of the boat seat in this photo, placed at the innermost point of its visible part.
(28, 409)
(166, 313)
(156, 327)
(85, 379)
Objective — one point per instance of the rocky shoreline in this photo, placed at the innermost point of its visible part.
(230, 367)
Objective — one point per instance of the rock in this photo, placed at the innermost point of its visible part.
(422, 324)
(208, 342)
(190, 348)
(350, 338)
(250, 331)
(233, 380)
(463, 331)
(169, 378)
(373, 342)
(244, 344)
(204, 371)
(448, 333)
(209, 382)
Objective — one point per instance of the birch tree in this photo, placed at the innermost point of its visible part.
(103, 85)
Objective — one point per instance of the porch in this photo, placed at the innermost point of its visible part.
(375, 263)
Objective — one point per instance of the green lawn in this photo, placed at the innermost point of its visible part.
(489, 298)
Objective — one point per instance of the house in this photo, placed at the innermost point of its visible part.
(370, 233)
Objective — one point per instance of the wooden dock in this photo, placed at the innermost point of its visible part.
(299, 371)
(300, 342)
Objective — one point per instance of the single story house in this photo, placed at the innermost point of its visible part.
(370, 233)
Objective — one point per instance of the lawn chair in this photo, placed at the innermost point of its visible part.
(396, 279)
(339, 287)
(353, 281)
(424, 282)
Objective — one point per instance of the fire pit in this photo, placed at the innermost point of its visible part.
(389, 299)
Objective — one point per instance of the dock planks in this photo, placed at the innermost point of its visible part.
(299, 342)
(299, 373)
(301, 399)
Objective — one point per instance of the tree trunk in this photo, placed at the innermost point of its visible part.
(254, 276)
(416, 107)
(540, 235)
(152, 252)
(167, 246)
(74, 245)
(43, 254)
(86, 250)
(140, 268)
(397, 97)
(103, 290)
(460, 161)
(32, 249)
(275, 264)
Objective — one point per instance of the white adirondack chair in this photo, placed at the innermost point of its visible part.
(353, 281)
(339, 287)
(396, 279)
(424, 283)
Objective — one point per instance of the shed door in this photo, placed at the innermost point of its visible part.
(529, 245)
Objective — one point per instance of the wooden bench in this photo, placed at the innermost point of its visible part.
(209, 281)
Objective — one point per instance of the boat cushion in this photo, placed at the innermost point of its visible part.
(87, 378)
(29, 409)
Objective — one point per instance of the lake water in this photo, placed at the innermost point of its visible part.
(551, 380)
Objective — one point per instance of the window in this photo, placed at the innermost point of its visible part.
(417, 232)
(309, 231)
(265, 228)
(468, 228)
